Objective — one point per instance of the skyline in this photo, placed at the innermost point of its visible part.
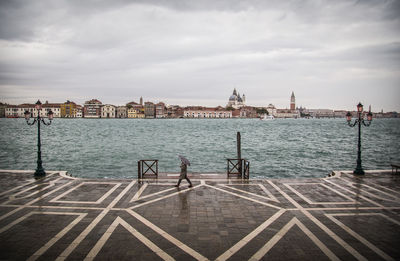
(331, 54)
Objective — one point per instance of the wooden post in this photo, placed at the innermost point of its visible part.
(239, 152)
(139, 169)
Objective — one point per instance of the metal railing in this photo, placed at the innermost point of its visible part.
(238, 167)
(147, 167)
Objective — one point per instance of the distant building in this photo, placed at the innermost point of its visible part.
(13, 111)
(68, 110)
(135, 113)
(203, 112)
(292, 102)
(3, 110)
(161, 110)
(92, 109)
(285, 113)
(235, 101)
(248, 112)
(321, 113)
(271, 110)
(149, 110)
(121, 112)
(174, 111)
(18, 111)
(108, 111)
(79, 111)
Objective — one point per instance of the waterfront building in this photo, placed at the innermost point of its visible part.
(79, 111)
(236, 101)
(68, 110)
(247, 112)
(339, 113)
(17, 111)
(3, 110)
(122, 112)
(292, 102)
(285, 113)
(92, 109)
(161, 110)
(271, 110)
(149, 110)
(54, 107)
(13, 111)
(321, 113)
(174, 111)
(203, 112)
(108, 111)
(135, 113)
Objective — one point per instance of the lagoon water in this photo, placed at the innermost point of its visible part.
(110, 148)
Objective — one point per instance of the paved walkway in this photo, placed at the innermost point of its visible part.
(340, 218)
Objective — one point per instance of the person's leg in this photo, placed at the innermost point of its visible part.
(179, 182)
(190, 183)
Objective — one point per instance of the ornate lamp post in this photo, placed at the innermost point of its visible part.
(39, 169)
(359, 121)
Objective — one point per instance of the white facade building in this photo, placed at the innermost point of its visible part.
(108, 111)
(18, 111)
(235, 101)
(207, 113)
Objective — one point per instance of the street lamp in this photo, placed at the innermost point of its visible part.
(39, 169)
(359, 121)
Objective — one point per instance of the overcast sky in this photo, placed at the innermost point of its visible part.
(332, 54)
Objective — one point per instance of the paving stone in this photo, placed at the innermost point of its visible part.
(303, 219)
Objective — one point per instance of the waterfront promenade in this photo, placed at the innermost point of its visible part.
(63, 218)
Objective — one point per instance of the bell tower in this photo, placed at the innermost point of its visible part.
(292, 102)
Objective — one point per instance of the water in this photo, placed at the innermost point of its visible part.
(110, 148)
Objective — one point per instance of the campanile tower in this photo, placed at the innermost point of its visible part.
(292, 102)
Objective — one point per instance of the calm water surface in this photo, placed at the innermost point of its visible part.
(279, 148)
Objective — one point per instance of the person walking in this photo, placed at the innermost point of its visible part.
(183, 175)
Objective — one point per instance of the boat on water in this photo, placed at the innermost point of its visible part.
(267, 117)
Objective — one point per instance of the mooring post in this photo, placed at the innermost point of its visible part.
(239, 152)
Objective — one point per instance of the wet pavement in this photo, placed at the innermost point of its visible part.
(338, 218)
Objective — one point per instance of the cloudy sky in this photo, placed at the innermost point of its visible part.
(332, 54)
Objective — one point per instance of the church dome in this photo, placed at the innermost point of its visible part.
(233, 98)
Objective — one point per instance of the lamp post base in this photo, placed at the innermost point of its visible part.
(40, 172)
(359, 171)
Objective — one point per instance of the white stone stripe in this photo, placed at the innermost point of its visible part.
(358, 237)
(21, 186)
(231, 251)
(139, 192)
(118, 198)
(278, 236)
(33, 201)
(167, 236)
(354, 193)
(241, 196)
(164, 197)
(100, 200)
(346, 208)
(268, 193)
(49, 185)
(298, 193)
(386, 188)
(320, 225)
(89, 228)
(250, 193)
(57, 237)
(393, 198)
(119, 221)
(157, 193)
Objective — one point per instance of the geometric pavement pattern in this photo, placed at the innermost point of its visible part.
(63, 218)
